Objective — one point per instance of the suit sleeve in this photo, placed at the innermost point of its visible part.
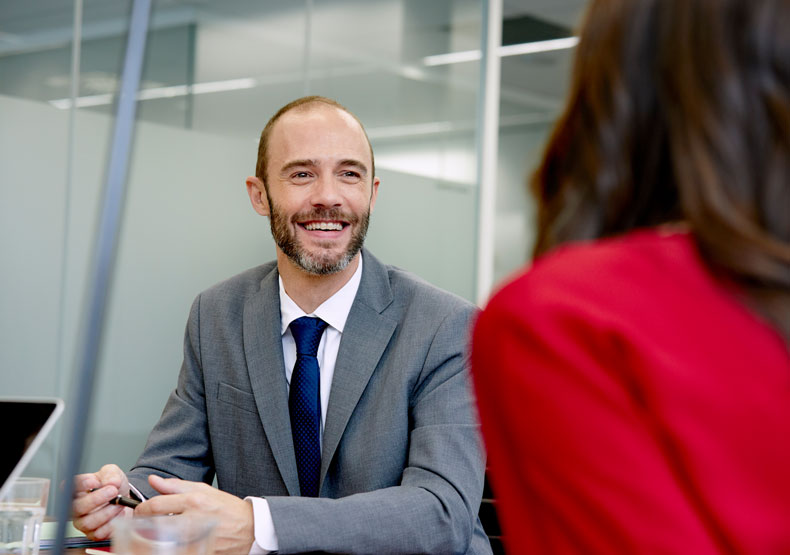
(434, 508)
(179, 445)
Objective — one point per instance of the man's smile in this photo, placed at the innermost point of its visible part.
(323, 225)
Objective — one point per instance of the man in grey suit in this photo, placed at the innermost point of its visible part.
(327, 391)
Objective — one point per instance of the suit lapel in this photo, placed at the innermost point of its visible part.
(365, 337)
(264, 352)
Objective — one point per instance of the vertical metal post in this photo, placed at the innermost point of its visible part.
(189, 109)
(487, 146)
(104, 254)
(308, 46)
(60, 365)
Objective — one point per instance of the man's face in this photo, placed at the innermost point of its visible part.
(319, 188)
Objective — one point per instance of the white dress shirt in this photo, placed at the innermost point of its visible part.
(334, 311)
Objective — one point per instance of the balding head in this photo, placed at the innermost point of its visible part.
(304, 104)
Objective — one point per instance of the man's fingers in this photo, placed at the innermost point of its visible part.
(92, 493)
(102, 533)
(178, 496)
(173, 485)
(88, 503)
(93, 522)
(85, 482)
(111, 474)
(164, 505)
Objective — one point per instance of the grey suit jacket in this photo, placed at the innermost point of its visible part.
(402, 466)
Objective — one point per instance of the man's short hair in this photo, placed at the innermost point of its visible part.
(302, 104)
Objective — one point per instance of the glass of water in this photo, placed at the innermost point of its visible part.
(21, 513)
(163, 535)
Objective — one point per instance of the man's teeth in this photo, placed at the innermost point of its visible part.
(324, 226)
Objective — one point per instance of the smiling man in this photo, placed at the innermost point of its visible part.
(327, 392)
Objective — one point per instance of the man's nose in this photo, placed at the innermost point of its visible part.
(326, 192)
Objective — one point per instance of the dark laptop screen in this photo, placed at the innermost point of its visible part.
(21, 423)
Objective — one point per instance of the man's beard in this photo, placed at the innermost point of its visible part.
(322, 262)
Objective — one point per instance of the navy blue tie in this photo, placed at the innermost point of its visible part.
(304, 403)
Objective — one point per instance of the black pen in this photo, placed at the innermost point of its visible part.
(125, 501)
(121, 500)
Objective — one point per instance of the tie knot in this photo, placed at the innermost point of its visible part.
(307, 334)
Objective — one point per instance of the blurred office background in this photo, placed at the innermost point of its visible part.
(214, 73)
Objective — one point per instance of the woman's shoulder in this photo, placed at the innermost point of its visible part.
(606, 271)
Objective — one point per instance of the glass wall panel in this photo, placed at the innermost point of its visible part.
(214, 74)
(35, 226)
(533, 88)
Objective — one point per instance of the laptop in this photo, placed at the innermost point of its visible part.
(26, 422)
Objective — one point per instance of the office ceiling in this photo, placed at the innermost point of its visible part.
(370, 54)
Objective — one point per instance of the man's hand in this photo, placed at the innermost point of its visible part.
(91, 512)
(235, 527)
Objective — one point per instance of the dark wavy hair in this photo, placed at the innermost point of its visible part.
(679, 110)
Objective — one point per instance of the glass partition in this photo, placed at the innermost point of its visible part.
(214, 73)
(532, 93)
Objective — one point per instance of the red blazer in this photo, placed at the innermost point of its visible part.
(630, 403)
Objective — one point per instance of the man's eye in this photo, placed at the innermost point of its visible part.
(350, 174)
(301, 175)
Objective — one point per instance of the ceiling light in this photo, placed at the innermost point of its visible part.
(539, 46)
(160, 92)
(509, 50)
(452, 58)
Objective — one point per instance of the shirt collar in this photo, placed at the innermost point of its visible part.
(334, 311)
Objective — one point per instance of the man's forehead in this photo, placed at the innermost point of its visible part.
(318, 112)
(303, 128)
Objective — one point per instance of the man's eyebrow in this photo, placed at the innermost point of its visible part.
(299, 164)
(363, 169)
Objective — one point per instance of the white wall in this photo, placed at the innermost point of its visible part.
(186, 226)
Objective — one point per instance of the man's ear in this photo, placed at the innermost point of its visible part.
(257, 192)
(374, 192)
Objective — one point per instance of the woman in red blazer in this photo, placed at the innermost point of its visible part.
(634, 383)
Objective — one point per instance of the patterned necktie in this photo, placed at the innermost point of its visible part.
(304, 403)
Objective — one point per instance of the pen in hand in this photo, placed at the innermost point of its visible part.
(121, 500)
(125, 501)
